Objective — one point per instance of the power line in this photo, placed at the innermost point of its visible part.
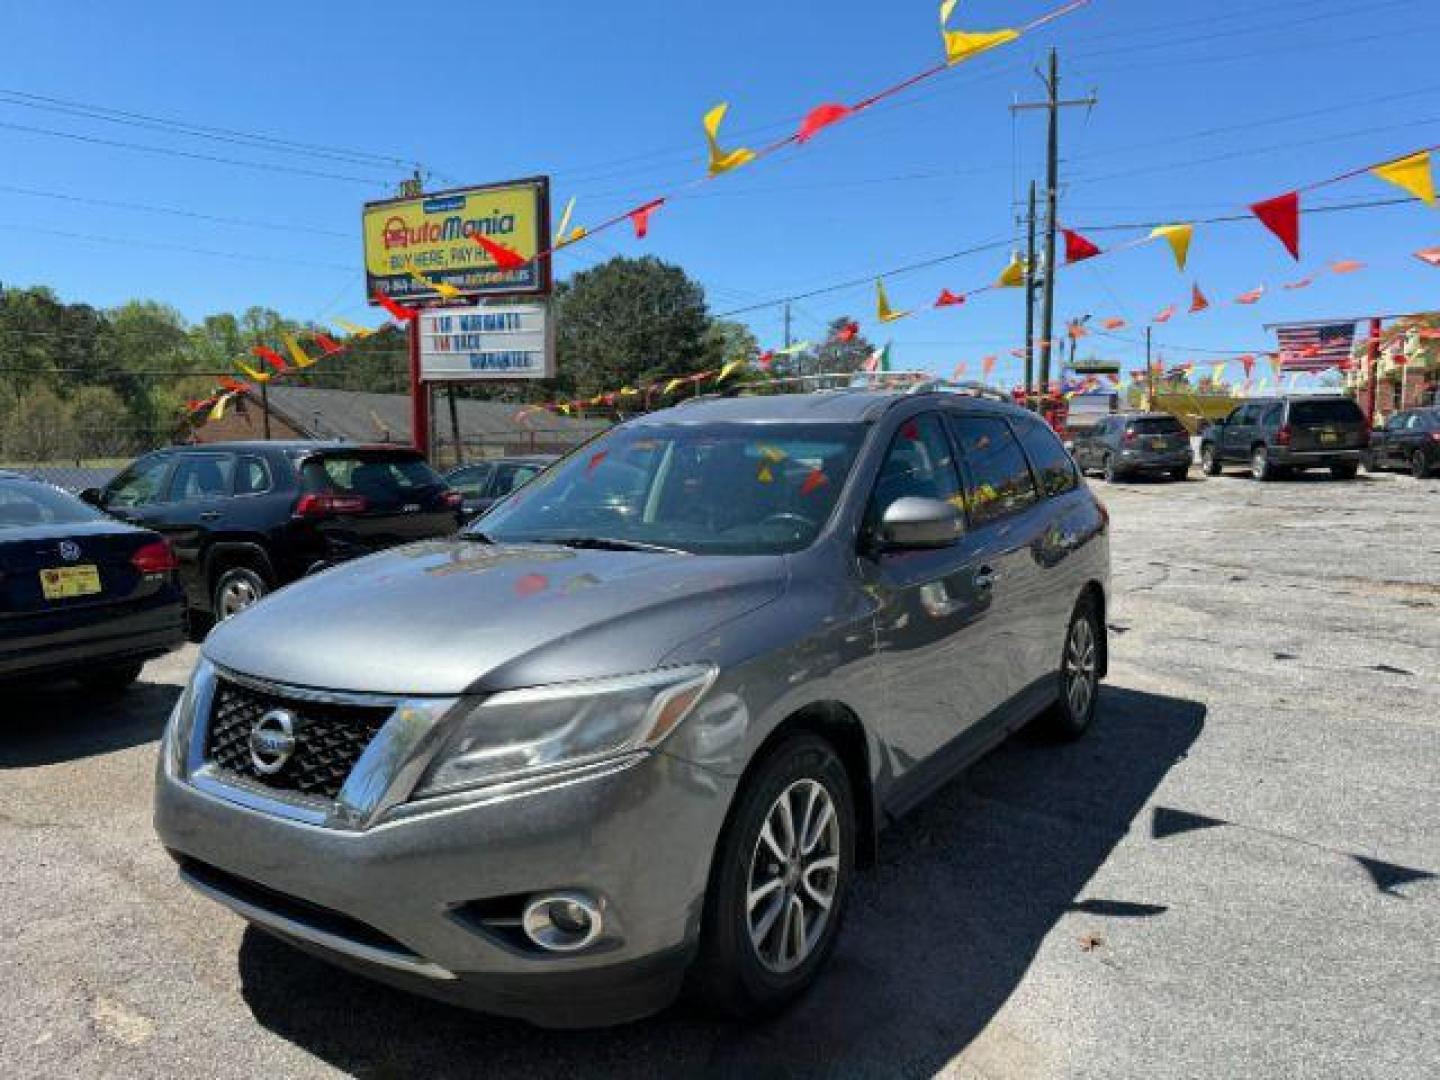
(98, 238)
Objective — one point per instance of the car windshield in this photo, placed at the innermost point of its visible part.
(1326, 411)
(734, 489)
(24, 503)
(1157, 425)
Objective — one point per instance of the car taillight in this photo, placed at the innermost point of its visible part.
(1435, 436)
(314, 506)
(453, 499)
(1129, 438)
(1282, 437)
(155, 558)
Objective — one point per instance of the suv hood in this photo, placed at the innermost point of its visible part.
(450, 616)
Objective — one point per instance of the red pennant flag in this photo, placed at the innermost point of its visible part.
(398, 311)
(1281, 215)
(595, 460)
(949, 299)
(822, 116)
(1346, 266)
(987, 365)
(1303, 283)
(1429, 255)
(766, 358)
(1198, 302)
(329, 344)
(1400, 360)
(271, 357)
(234, 385)
(1248, 363)
(959, 369)
(1165, 315)
(814, 480)
(1077, 248)
(641, 217)
(1251, 297)
(505, 258)
(1113, 324)
(847, 332)
(530, 584)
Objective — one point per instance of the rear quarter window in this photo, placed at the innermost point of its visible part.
(378, 477)
(1157, 425)
(1048, 457)
(1328, 411)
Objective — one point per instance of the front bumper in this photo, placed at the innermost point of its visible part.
(405, 900)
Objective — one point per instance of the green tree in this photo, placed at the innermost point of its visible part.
(39, 427)
(726, 340)
(628, 321)
(102, 426)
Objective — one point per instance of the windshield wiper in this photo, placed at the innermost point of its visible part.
(608, 543)
(476, 535)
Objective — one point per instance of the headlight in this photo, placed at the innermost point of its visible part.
(175, 743)
(523, 732)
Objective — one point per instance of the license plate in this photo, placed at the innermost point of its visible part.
(64, 582)
(1328, 438)
(1159, 444)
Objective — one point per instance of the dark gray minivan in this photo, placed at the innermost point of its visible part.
(641, 724)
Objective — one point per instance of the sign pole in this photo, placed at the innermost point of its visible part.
(419, 395)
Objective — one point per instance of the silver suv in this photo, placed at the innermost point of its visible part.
(641, 723)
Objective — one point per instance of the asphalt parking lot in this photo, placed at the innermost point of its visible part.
(1234, 874)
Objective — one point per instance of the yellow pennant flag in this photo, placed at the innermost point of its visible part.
(723, 160)
(1217, 373)
(673, 385)
(883, 311)
(564, 234)
(961, 45)
(1411, 174)
(258, 376)
(353, 329)
(218, 412)
(729, 369)
(449, 292)
(1013, 276)
(296, 352)
(1178, 236)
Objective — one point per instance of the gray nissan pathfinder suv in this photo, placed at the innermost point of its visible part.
(639, 726)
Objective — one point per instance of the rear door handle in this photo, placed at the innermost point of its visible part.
(986, 577)
(210, 515)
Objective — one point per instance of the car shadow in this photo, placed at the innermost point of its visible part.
(50, 723)
(939, 935)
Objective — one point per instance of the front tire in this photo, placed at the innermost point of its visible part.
(780, 880)
(1346, 471)
(1419, 467)
(236, 589)
(112, 680)
(1209, 461)
(1079, 674)
(1180, 474)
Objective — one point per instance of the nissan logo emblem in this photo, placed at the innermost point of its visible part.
(69, 550)
(272, 741)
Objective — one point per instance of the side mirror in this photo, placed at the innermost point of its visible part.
(91, 495)
(919, 524)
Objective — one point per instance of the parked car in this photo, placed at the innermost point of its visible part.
(646, 716)
(1409, 440)
(247, 518)
(1279, 436)
(485, 483)
(81, 595)
(1129, 444)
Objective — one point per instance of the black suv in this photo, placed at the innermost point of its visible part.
(246, 518)
(1282, 435)
(1126, 445)
(1409, 440)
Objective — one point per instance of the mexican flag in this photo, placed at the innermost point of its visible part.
(879, 360)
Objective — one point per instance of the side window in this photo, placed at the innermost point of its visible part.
(1048, 457)
(919, 464)
(252, 476)
(997, 478)
(1413, 424)
(1238, 416)
(507, 479)
(201, 476)
(1272, 415)
(471, 482)
(138, 485)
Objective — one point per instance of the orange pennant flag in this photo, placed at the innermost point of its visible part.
(1113, 324)
(1251, 297)
(987, 365)
(1165, 315)
(1346, 266)
(1198, 302)
(1303, 283)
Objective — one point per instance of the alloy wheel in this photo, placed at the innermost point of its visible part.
(794, 874)
(1259, 464)
(236, 594)
(1081, 667)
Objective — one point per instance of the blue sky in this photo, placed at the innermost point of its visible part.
(1203, 109)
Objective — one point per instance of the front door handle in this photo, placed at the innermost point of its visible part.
(210, 515)
(986, 577)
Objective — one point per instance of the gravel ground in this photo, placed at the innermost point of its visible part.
(1234, 874)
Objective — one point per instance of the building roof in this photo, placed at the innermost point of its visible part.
(370, 418)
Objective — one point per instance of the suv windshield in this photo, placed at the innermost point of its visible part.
(380, 476)
(1157, 425)
(1326, 411)
(734, 489)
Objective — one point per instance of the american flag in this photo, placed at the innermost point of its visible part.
(1315, 346)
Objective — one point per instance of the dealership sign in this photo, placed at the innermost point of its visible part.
(487, 342)
(429, 238)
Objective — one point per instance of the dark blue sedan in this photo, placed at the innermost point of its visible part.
(81, 595)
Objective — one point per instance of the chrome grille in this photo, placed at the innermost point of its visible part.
(329, 738)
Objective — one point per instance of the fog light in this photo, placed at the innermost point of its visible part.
(562, 922)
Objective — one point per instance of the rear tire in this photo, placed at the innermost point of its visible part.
(745, 966)
(236, 589)
(1345, 471)
(1111, 473)
(1209, 461)
(1419, 467)
(111, 680)
(1180, 474)
(1079, 674)
(1260, 467)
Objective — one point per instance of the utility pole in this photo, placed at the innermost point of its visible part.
(1149, 374)
(787, 324)
(1053, 104)
(1030, 304)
